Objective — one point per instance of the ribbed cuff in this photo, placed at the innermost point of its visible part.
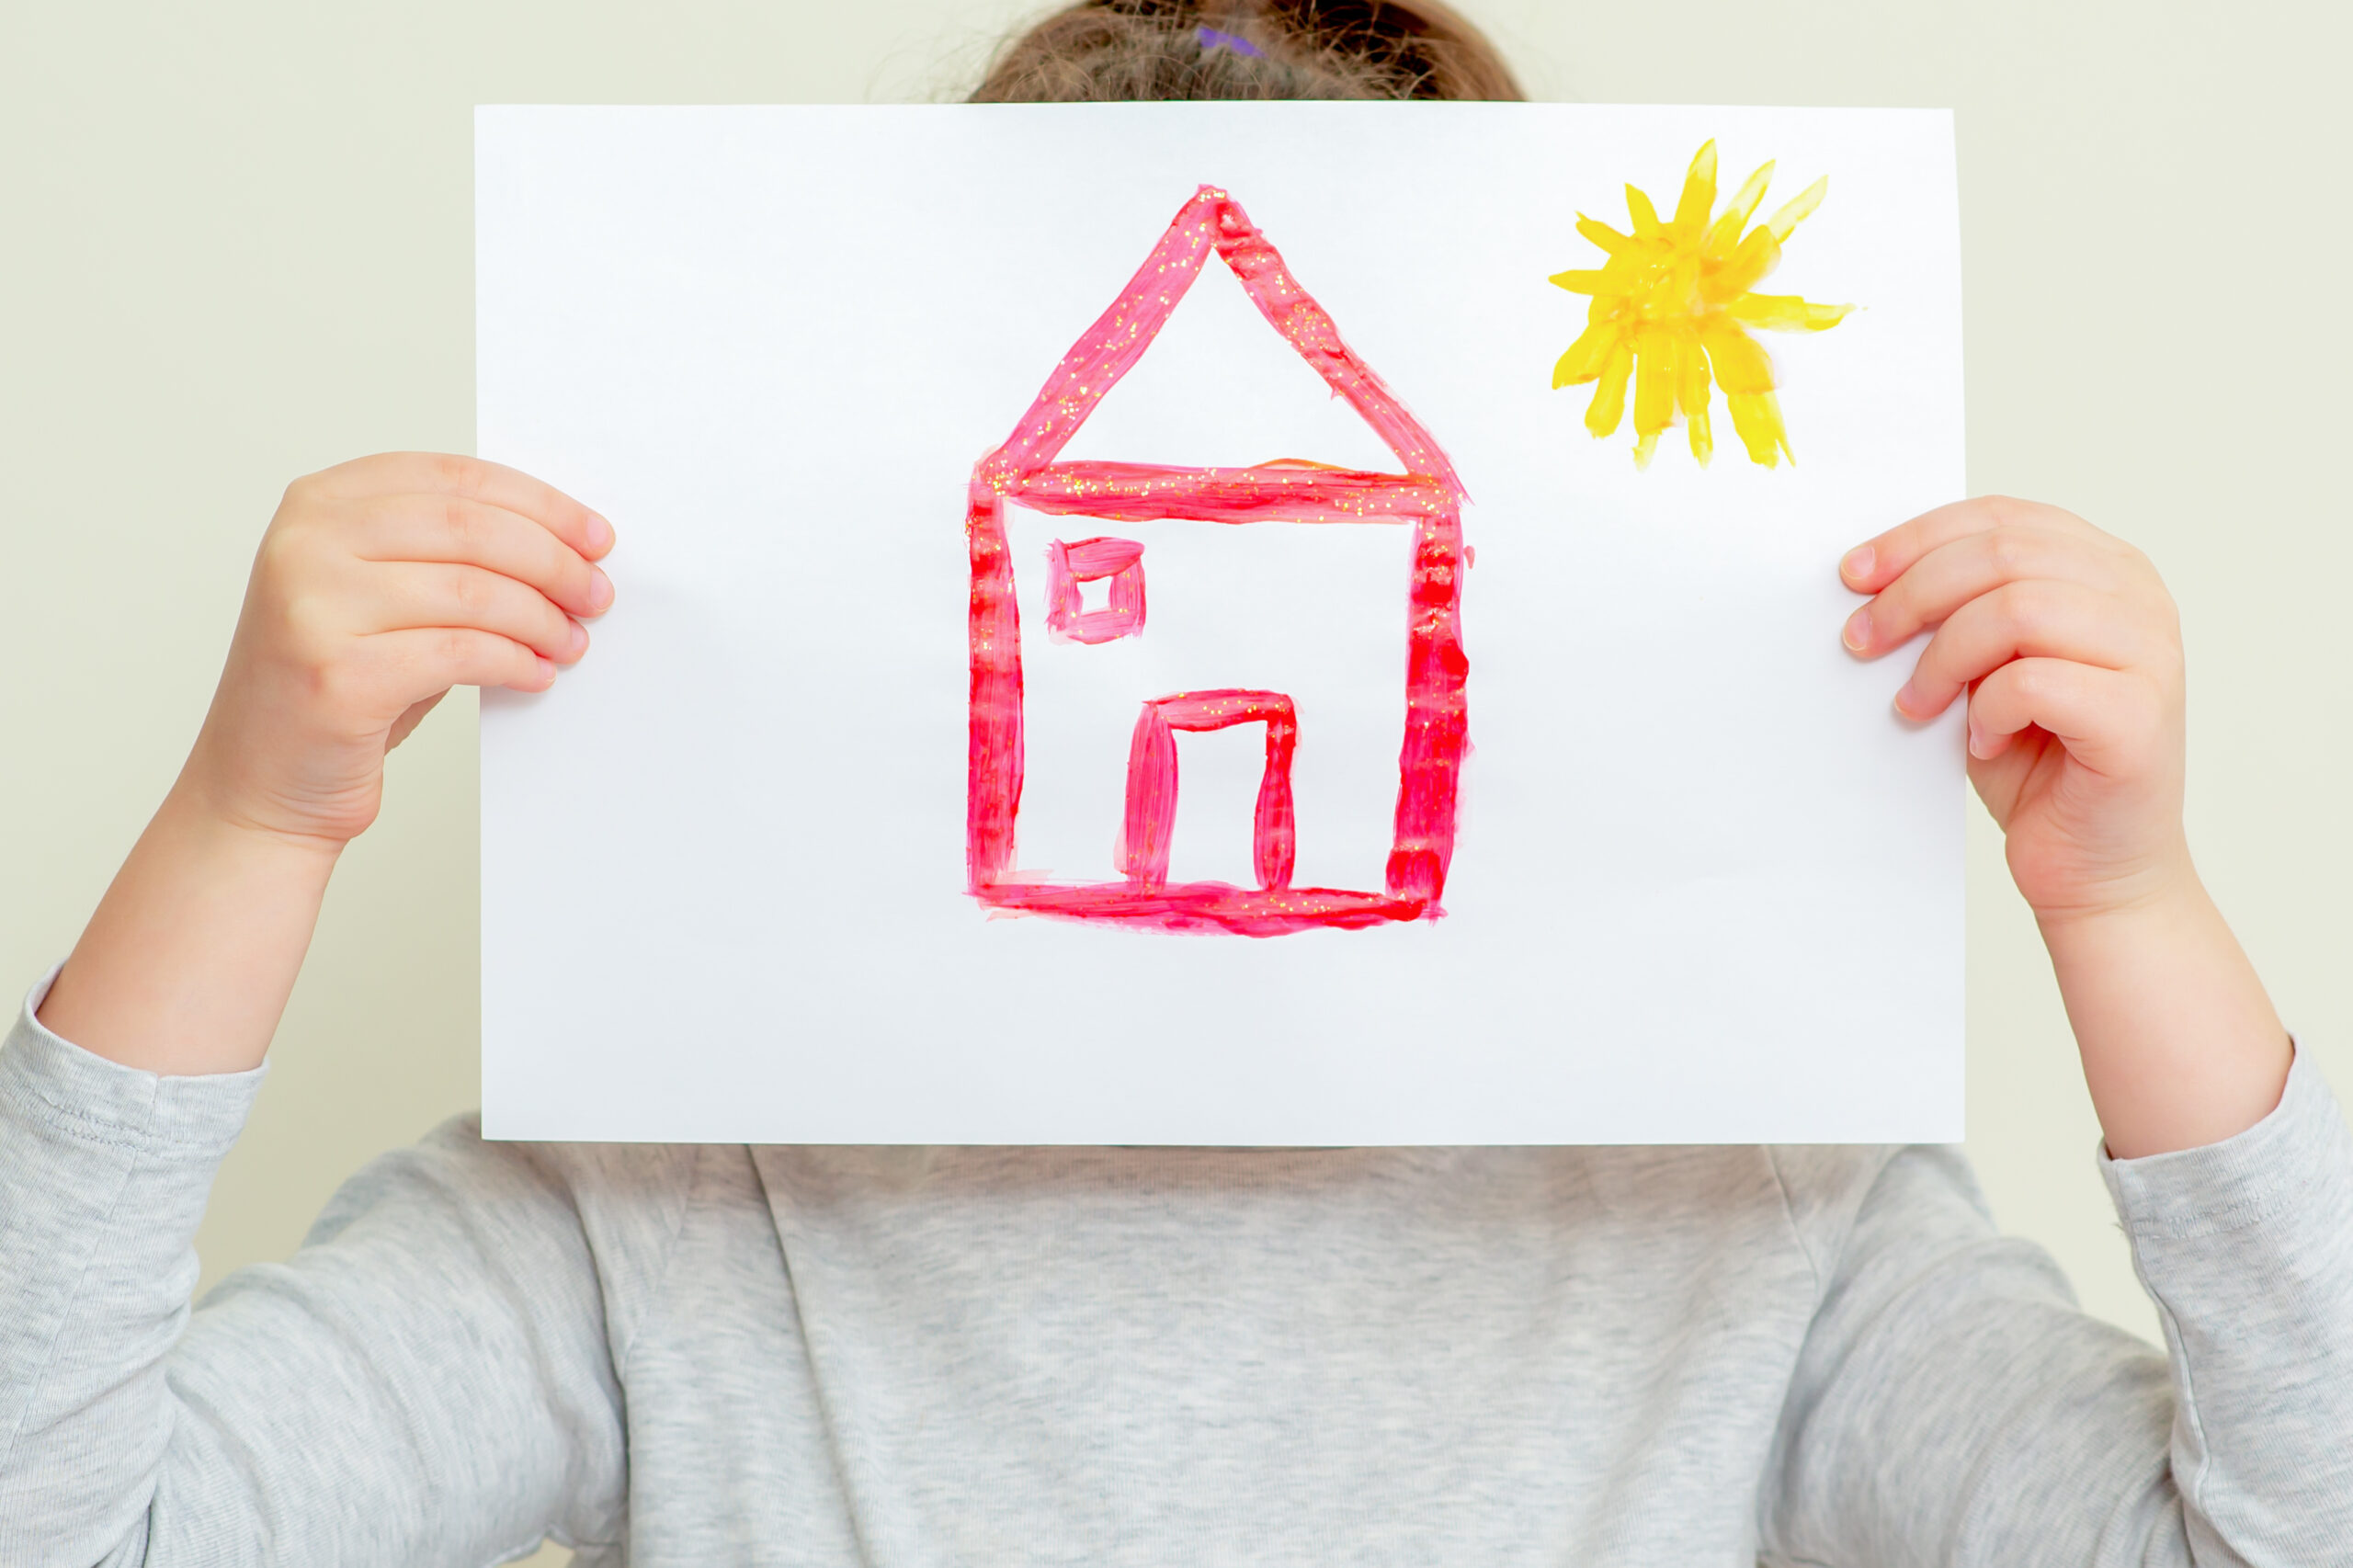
(57, 1085)
(2281, 1163)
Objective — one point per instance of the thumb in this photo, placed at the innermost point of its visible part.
(408, 721)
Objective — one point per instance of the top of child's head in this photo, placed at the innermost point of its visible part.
(1140, 51)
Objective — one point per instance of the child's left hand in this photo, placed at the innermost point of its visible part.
(2069, 651)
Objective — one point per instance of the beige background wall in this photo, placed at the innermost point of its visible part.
(235, 246)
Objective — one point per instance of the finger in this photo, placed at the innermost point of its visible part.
(456, 529)
(406, 594)
(1879, 561)
(2035, 619)
(495, 484)
(2105, 718)
(1962, 569)
(423, 660)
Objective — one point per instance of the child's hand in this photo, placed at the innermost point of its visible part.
(2069, 651)
(382, 583)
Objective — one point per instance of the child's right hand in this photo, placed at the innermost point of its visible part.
(379, 586)
(382, 583)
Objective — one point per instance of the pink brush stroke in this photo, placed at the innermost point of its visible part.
(1427, 495)
(1151, 782)
(1091, 560)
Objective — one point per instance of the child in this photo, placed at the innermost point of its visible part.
(700, 1355)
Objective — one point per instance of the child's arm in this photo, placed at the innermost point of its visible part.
(1952, 1405)
(2069, 651)
(380, 584)
(434, 1382)
(430, 1380)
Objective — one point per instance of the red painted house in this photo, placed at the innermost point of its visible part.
(1424, 496)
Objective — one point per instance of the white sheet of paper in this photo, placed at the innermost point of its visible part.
(1705, 887)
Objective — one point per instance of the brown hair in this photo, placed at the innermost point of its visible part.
(1124, 50)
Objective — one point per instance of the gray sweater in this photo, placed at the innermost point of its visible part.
(699, 1356)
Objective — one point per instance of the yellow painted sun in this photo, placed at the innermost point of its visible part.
(1672, 310)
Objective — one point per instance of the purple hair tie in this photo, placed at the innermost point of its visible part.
(1209, 38)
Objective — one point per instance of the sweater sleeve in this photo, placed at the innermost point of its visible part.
(1952, 1408)
(2246, 1248)
(426, 1381)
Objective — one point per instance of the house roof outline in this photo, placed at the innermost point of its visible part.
(1211, 223)
(1026, 469)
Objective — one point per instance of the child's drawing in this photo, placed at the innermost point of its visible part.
(1425, 496)
(1673, 304)
(1002, 827)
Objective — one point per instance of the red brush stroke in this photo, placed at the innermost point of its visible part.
(1205, 906)
(1151, 782)
(1024, 470)
(1091, 560)
(1288, 492)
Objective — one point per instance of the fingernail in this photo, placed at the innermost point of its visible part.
(600, 534)
(600, 590)
(1904, 698)
(1977, 743)
(1857, 563)
(1858, 635)
(579, 638)
(547, 670)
